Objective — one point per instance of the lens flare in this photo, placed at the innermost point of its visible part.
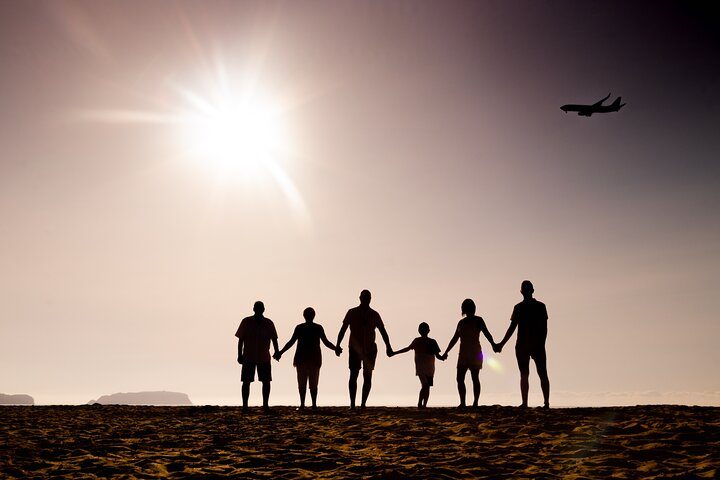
(495, 364)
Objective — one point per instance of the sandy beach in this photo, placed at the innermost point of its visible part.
(654, 442)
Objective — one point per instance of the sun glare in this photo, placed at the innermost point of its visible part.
(234, 131)
(236, 136)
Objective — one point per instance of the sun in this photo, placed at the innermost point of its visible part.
(236, 136)
(234, 131)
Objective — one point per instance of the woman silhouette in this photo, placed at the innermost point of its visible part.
(470, 356)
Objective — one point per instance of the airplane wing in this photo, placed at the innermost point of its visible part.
(597, 104)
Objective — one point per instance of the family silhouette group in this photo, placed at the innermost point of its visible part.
(256, 333)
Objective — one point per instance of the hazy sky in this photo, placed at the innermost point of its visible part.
(426, 159)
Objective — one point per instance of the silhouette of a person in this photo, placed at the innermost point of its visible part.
(426, 351)
(530, 318)
(308, 357)
(362, 321)
(470, 356)
(254, 336)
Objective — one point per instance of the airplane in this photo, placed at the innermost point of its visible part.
(598, 107)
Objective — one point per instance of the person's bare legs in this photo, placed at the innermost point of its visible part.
(302, 386)
(266, 395)
(352, 386)
(245, 394)
(475, 375)
(524, 387)
(523, 361)
(461, 385)
(313, 397)
(301, 390)
(461, 391)
(367, 385)
(424, 394)
(541, 367)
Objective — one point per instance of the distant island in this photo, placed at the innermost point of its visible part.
(20, 399)
(143, 398)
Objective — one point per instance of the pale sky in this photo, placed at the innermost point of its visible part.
(424, 157)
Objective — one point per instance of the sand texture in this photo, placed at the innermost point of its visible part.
(651, 442)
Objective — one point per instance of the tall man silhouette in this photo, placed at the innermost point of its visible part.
(530, 318)
(254, 336)
(362, 321)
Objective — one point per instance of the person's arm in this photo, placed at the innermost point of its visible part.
(386, 339)
(436, 347)
(277, 349)
(288, 345)
(402, 350)
(508, 334)
(452, 343)
(487, 334)
(274, 339)
(239, 335)
(343, 329)
(327, 342)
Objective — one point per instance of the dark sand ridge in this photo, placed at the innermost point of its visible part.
(654, 442)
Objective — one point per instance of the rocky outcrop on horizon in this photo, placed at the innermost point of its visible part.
(20, 399)
(143, 398)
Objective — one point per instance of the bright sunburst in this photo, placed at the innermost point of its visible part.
(234, 131)
(236, 135)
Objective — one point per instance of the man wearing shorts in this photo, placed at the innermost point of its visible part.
(308, 357)
(530, 318)
(254, 336)
(362, 322)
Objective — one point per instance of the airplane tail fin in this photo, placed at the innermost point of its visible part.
(616, 103)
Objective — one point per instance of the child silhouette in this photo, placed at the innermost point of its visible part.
(426, 351)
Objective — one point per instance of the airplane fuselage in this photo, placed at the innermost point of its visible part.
(588, 110)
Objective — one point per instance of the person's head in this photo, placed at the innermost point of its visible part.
(527, 289)
(309, 314)
(423, 329)
(259, 308)
(468, 307)
(365, 297)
